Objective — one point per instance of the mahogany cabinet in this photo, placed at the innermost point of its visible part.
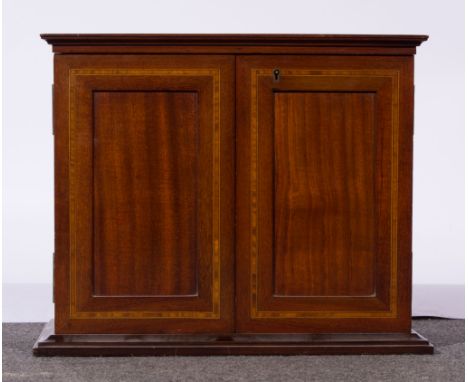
(232, 194)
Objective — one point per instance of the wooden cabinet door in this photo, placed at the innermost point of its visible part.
(324, 193)
(144, 193)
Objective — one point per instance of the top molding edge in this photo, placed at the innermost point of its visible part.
(298, 40)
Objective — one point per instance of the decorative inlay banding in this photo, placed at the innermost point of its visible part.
(255, 75)
(214, 313)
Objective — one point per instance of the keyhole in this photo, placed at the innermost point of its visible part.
(276, 74)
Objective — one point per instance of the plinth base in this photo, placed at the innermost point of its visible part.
(50, 344)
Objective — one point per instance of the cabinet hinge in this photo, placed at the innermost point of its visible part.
(53, 277)
(414, 97)
(53, 124)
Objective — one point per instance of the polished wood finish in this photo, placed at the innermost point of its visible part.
(86, 345)
(145, 236)
(132, 135)
(350, 144)
(236, 44)
(323, 216)
(167, 147)
(324, 40)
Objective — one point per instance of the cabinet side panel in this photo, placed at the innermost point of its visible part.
(324, 226)
(145, 193)
(61, 191)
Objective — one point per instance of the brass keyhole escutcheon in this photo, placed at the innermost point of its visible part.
(276, 74)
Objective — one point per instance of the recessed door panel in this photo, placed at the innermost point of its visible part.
(324, 220)
(146, 239)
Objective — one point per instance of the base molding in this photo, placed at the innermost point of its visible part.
(50, 344)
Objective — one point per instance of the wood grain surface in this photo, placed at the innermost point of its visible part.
(324, 194)
(146, 158)
(173, 152)
(319, 194)
(382, 45)
(146, 171)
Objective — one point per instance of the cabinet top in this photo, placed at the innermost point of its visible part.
(235, 43)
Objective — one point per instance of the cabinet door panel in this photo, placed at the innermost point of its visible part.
(150, 182)
(319, 194)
